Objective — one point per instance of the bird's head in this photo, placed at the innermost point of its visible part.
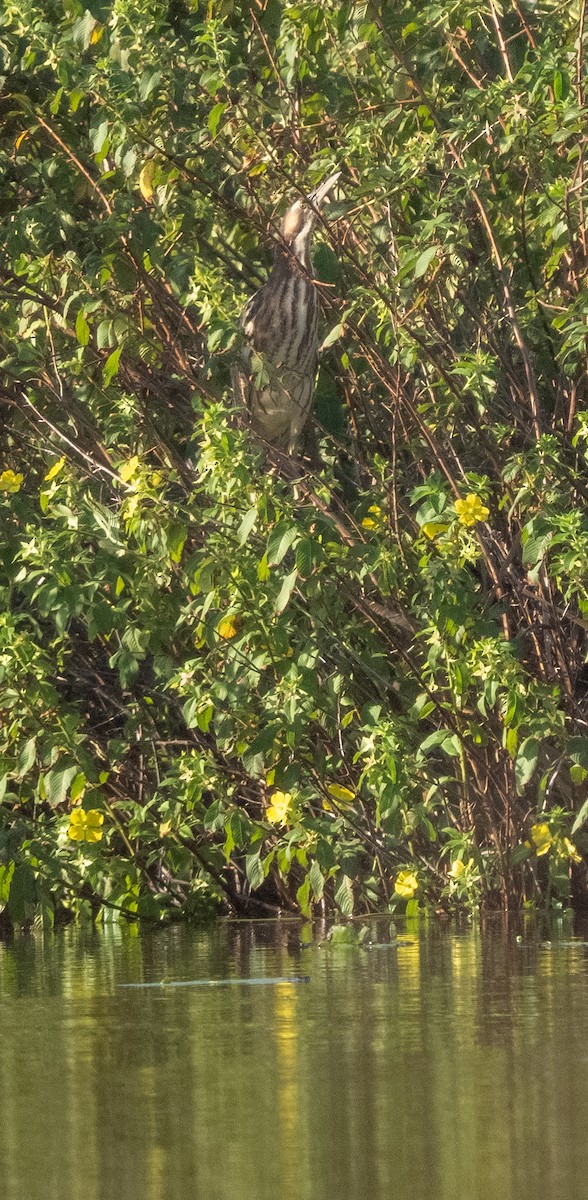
(300, 220)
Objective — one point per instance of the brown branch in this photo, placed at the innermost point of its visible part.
(501, 43)
(76, 161)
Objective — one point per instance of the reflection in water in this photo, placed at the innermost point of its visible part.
(452, 1065)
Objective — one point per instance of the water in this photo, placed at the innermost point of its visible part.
(451, 1068)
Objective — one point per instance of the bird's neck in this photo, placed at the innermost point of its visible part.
(297, 252)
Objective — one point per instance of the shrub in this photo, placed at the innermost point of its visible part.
(370, 693)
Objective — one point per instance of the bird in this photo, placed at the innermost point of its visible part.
(276, 377)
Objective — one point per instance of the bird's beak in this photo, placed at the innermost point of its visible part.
(316, 198)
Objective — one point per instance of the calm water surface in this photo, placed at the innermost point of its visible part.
(454, 1067)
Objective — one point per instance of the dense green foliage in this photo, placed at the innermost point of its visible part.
(370, 689)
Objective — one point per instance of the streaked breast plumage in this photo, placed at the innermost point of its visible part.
(280, 328)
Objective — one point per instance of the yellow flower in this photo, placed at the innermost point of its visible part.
(471, 510)
(278, 810)
(432, 528)
(373, 522)
(129, 469)
(542, 837)
(457, 868)
(55, 469)
(229, 626)
(568, 849)
(406, 884)
(86, 826)
(10, 481)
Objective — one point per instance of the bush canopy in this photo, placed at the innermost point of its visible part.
(368, 691)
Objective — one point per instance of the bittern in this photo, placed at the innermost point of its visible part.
(280, 328)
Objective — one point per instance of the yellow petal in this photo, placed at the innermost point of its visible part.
(372, 522)
(129, 469)
(75, 833)
(94, 835)
(229, 626)
(406, 884)
(20, 139)
(571, 850)
(10, 481)
(94, 817)
(471, 509)
(541, 837)
(277, 811)
(432, 528)
(55, 469)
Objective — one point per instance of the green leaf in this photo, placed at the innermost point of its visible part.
(204, 717)
(526, 762)
(75, 98)
(57, 782)
(215, 116)
(263, 571)
(520, 854)
(6, 874)
(27, 757)
(148, 82)
(561, 85)
(317, 880)
(78, 787)
(246, 525)
(333, 336)
(423, 261)
(285, 591)
(280, 540)
(176, 535)
(111, 365)
(452, 746)
(99, 139)
(82, 329)
(303, 897)
(581, 818)
(577, 748)
(136, 640)
(253, 755)
(344, 896)
(434, 739)
(254, 870)
(304, 558)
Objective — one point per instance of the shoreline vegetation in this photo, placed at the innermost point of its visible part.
(219, 692)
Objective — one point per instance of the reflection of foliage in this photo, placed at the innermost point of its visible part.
(401, 647)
